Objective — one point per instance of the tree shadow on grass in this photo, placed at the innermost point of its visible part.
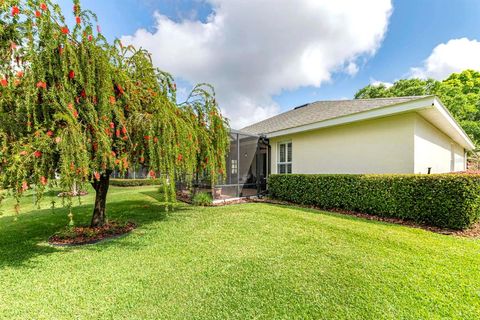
(24, 238)
(369, 219)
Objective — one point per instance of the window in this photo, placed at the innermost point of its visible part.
(234, 166)
(284, 163)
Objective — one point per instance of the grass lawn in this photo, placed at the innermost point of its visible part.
(241, 261)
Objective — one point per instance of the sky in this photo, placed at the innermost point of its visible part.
(265, 57)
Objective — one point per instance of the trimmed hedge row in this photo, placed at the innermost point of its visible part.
(445, 200)
(134, 182)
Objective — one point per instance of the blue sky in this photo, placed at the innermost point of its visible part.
(415, 28)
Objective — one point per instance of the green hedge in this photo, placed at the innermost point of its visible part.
(134, 182)
(448, 200)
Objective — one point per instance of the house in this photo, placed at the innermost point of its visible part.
(389, 135)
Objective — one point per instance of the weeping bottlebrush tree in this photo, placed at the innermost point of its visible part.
(75, 107)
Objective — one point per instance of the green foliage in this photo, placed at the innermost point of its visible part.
(135, 182)
(401, 88)
(72, 104)
(202, 199)
(460, 93)
(448, 201)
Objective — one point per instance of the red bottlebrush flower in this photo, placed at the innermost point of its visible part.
(117, 133)
(112, 125)
(43, 6)
(179, 157)
(4, 82)
(20, 74)
(78, 20)
(152, 174)
(97, 175)
(114, 154)
(95, 146)
(83, 94)
(70, 106)
(142, 159)
(71, 74)
(15, 11)
(124, 130)
(112, 100)
(146, 138)
(75, 9)
(24, 186)
(60, 50)
(43, 181)
(41, 84)
(65, 30)
(120, 89)
(50, 133)
(90, 37)
(155, 140)
(38, 14)
(75, 113)
(13, 46)
(37, 154)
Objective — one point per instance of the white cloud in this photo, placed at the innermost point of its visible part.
(454, 56)
(251, 51)
(351, 68)
(374, 82)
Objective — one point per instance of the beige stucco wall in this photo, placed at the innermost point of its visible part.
(436, 150)
(384, 145)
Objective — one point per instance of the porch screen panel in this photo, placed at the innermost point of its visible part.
(247, 165)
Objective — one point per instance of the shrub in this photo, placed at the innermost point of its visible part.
(202, 199)
(134, 182)
(447, 201)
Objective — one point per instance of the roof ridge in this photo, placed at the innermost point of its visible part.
(362, 99)
(384, 98)
(324, 109)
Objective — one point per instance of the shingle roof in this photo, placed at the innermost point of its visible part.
(320, 111)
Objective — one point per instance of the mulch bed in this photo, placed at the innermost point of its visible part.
(75, 236)
(72, 194)
(473, 232)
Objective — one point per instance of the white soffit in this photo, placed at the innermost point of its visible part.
(441, 118)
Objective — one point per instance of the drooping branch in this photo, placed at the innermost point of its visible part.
(73, 105)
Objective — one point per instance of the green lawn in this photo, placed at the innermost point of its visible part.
(241, 261)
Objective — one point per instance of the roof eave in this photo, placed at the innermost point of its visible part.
(447, 124)
(451, 124)
(421, 103)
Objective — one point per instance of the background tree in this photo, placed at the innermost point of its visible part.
(74, 105)
(460, 93)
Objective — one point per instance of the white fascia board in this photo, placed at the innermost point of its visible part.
(422, 103)
(450, 121)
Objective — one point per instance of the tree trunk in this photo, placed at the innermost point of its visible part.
(101, 188)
